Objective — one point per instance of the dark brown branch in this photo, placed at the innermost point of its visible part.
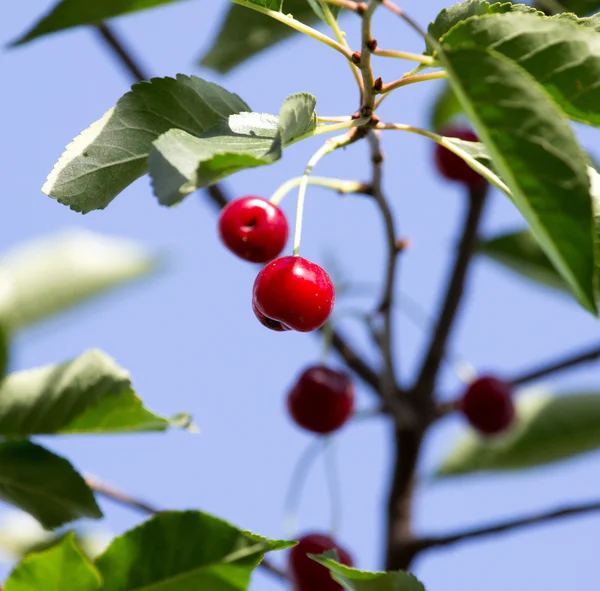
(427, 376)
(122, 53)
(126, 500)
(558, 365)
(504, 526)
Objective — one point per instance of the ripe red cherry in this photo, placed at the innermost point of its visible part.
(308, 575)
(488, 406)
(453, 167)
(322, 399)
(253, 229)
(293, 292)
(272, 324)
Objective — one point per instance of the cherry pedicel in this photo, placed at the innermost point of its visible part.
(294, 293)
(453, 167)
(308, 575)
(488, 406)
(322, 399)
(253, 229)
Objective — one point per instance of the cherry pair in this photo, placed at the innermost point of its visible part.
(290, 293)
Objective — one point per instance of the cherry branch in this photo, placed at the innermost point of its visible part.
(504, 526)
(558, 365)
(126, 500)
(368, 45)
(122, 53)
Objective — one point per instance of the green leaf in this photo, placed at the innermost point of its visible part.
(356, 580)
(89, 394)
(203, 553)
(448, 18)
(181, 163)
(113, 152)
(44, 484)
(581, 7)
(60, 568)
(445, 108)
(245, 33)
(558, 52)
(520, 252)
(54, 273)
(536, 154)
(73, 13)
(548, 429)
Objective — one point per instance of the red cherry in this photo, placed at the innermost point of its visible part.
(272, 324)
(453, 167)
(487, 404)
(253, 229)
(308, 575)
(293, 292)
(322, 399)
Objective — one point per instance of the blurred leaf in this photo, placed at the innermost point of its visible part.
(448, 18)
(519, 125)
(181, 163)
(520, 252)
(90, 394)
(62, 567)
(203, 553)
(21, 534)
(73, 13)
(581, 7)
(318, 10)
(245, 33)
(356, 580)
(113, 152)
(44, 484)
(54, 273)
(547, 429)
(445, 108)
(558, 52)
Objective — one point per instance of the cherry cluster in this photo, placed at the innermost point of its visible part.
(292, 293)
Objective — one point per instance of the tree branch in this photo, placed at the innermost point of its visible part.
(427, 376)
(368, 45)
(130, 502)
(122, 53)
(558, 365)
(504, 526)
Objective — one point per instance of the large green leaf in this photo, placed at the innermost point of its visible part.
(548, 428)
(44, 484)
(448, 18)
(177, 551)
(536, 154)
(73, 13)
(90, 394)
(245, 33)
(60, 568)
(356, 580)
(54, 273)
(562, 55)
(113, 152)
(181, 163)
(520, 252)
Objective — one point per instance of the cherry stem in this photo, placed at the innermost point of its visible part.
(296, 486)
(406, 80)
(341, 37)
(298, 26)
(405, 55)
(327, 341)
(339, 185)
(333, 484)
(326, 148)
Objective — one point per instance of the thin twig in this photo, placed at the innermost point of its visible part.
(368, 44)
(126, 500)
(347, 4)
(505, 526)
(427, 376)
(405, 55)
(124, 54)
(558, 365)
(406, 80)
(399, 12)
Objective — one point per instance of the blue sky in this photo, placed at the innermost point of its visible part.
(191, 342)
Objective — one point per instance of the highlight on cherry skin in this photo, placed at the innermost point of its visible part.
(453, 167)
(488, 405)
(308, 575)
(321, 400)
(294, 293)
(254, 229)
